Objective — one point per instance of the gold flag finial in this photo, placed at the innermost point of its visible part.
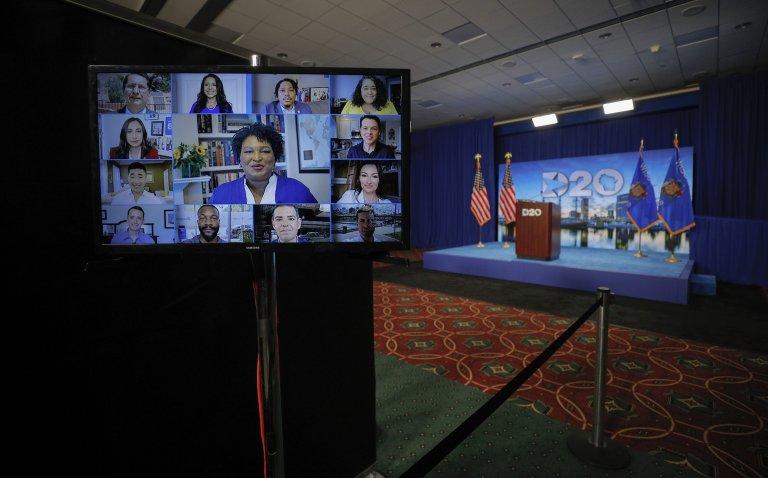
(478, 157)
(507, 157)
(642, 143)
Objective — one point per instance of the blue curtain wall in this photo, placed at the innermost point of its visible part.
(442, 174)
(732, 249)
(732, 151)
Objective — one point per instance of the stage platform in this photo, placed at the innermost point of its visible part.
(577, 268)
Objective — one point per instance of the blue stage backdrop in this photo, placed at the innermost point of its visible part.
(593, 194)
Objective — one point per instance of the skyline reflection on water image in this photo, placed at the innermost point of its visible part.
(621, 238)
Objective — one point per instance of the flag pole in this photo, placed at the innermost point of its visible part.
(672, 259)
(478, 157)
(639, 252)
(506, 245)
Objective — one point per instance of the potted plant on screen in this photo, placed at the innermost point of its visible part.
(190, 159)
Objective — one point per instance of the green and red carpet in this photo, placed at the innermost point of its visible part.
(700, 409)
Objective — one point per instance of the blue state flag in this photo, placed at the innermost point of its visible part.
(642, 200)
(675, 207)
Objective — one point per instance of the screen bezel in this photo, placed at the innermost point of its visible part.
(175, 248)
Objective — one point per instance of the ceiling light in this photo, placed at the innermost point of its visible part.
(618, 106)
(255, 60)
(307, 63)
(282, 56)
(605, 35)
(693, 10)
(634, 80)
(464, 34)
(509, 64)
(655, 48)
(506, 84)
(577, 56)
(436, 44)
(544, 120)
(743, 26)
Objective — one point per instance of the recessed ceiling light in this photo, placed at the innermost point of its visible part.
(634, 80)
(307, 63)
(605, 35)
(506, 84)
(743, 26)
(509, 64)
(436, 44)
(693, 10)
(655, 48)
(577, 56)
(282, 56)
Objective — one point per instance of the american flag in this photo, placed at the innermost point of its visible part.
(508, 198)
(478, 203)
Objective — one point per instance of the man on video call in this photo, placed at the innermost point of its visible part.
(135, 94)
(370, 147)
(366, 227)
(286, 223)
(208, 224)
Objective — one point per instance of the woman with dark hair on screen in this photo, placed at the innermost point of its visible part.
(286, 103)
(257, 147)
(366, 186)
(133, 142)
(211, 99)
(370, 97)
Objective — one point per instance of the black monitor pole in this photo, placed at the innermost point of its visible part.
(268, 365)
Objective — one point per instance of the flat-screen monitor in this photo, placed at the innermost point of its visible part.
(231, 158)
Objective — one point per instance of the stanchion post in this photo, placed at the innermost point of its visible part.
(604, 294)
(595, 448)
(270, 359)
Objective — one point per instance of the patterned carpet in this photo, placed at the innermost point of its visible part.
(693, 405)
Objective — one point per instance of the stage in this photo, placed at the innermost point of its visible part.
(577, 268)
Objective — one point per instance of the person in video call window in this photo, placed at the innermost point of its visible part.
(136, 87)
(208, 225)
(370, 146)
(286, 103)
(133, 142)
(136, 194)
(366, 227)
(370, 97)
(286, 223)
(365, 187)
(134, 234)
(257, 148)
(211, 99)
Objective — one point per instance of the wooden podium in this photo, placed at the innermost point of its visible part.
(538, 230)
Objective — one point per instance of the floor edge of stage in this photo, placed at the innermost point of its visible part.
(577, 268)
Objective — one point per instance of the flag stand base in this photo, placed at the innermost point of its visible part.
(480, 244)
(672, 259)
(506, 245)
(640, 253)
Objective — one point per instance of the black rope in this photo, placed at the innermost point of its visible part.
(460, 433)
